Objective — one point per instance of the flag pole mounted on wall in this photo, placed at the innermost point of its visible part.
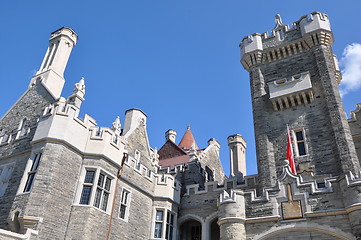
(289, 153)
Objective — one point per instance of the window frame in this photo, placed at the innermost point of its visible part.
(296, 142)
(6, 170)
(31, 171)
(165, 232)
(96, 189)
(125, 203)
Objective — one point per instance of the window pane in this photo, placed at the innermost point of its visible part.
(101, 180)
(85, 195)
(105, 201)
(299, 136)
(29, 182)
(89, 177)
(36, 161)
(167, 232)
(98, 195)
(172, 219)
(125, 197)
(171, 233)
(123, 208)
(301, 148)
(158, 230)
(168, 217)
(107, 184)
(159, 215)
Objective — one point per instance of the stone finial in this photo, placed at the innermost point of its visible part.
(116, 124)
(278, 20)
(79, 88)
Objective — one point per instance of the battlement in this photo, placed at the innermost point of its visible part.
(284, 41)
(60, 122)
(65, 32)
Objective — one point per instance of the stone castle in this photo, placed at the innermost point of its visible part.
(65, 177)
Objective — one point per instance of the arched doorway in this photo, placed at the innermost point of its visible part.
(214, 230)
(190, 230)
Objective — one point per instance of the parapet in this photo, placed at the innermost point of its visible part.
(237, 138)
(316, 21)
(284, 41)
(66, 32)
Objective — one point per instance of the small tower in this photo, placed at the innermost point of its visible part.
(237, 150)
(170, 135)
(51, 72)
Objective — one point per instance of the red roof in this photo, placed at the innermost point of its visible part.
(188, 141)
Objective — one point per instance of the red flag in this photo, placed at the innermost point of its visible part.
(289, 153)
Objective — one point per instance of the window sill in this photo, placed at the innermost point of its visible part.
(90, 206)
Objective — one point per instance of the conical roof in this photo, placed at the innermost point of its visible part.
(188, 141)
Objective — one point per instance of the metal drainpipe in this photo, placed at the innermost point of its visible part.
(115, 193)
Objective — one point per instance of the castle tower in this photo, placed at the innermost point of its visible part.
(170, 135)
(294, 81)
(51, 72)
(237, 150)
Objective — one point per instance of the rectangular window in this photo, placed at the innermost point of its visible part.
(158, 224)
(32, 172)
(5, 174)
(300, 142)
(124, 205)
(170, 226)
(87, 187)
(102, 190)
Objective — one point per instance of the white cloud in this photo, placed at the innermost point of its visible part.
(350, 64)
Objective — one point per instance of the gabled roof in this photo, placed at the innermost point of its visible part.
(188, 141)
(170, 150)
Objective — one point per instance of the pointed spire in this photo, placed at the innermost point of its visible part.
(188, 140)
(116, 124)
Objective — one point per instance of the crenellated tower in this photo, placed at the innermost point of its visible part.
(294, 80)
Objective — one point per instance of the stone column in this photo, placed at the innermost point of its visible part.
(232, 215)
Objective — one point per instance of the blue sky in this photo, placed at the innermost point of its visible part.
(178, 61)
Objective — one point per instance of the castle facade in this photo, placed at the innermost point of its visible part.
(64, 177)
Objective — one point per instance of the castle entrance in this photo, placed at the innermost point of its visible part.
(191, 230)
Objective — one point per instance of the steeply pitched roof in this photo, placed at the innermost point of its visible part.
(170, 150)
(188, 141)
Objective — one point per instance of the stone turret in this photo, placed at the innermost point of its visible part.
(51, 72)
(232, 215)
(170, 135)
(237, 149)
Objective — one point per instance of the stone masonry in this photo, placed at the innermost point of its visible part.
(64, 177)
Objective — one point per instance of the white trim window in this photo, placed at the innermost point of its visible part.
(162, 222)
(96, 192)
(124, 204)
(5, 174)
(158, 226)
(300, 143)
(32, 172)
(169, 231)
